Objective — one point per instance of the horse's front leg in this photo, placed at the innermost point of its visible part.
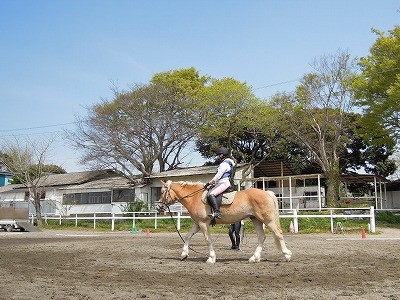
(207, 235)
(185, 251)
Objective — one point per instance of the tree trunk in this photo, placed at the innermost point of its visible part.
(333, 184)
(36, 201)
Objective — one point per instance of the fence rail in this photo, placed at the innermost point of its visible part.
(178, 216)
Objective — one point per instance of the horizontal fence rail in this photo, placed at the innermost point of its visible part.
(334, 213)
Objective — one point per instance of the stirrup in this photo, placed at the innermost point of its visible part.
(216, 215)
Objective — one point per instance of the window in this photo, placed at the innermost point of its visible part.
(155, 195)
(123, 196)
(87, 198)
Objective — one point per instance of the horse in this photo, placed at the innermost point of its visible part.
(258, 205)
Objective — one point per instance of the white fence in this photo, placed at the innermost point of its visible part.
(178, 216)
(353, 213)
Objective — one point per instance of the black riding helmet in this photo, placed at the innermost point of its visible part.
(222, 150)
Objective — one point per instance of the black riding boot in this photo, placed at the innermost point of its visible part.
(237, 246)
(232, 239)
(212, 200)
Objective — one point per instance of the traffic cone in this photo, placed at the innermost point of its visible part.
(363, 234)
(148, 232)
(291, 228)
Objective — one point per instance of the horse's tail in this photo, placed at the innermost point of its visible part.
(276, 219)
(276, 211)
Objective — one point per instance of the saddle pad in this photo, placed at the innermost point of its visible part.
(227, 198)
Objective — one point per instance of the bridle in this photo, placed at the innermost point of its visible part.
(167, 195)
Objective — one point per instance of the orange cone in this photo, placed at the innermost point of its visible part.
(363, 234)
(148, 232)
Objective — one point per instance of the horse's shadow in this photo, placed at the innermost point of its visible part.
(221, 260)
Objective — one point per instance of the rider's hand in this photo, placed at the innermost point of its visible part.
(206, 185)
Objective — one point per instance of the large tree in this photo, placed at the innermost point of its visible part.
(317, 114)
(232, 116)
(139, 129)
(146, 127)
(377, 88)
(26, 159)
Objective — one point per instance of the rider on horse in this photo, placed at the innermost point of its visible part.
(221, 180)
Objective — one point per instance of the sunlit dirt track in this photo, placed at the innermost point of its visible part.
(124, 265)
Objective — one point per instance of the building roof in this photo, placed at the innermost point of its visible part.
(74, 178)
(87, 179)
(110, 183)
(362, 178)
(10, 187)
(273, 168)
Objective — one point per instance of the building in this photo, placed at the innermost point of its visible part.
(5, 174)
(106, 192)
(101, 191)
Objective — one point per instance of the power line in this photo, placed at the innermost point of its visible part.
(258, 88)
(275, 84)
(37, 127)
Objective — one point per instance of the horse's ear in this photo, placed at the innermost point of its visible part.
(163, 182)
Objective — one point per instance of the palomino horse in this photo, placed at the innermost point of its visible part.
(258, 205)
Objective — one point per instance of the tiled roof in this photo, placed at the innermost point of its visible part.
(107, 183)
(75, 178)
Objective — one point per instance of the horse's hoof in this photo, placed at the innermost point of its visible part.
(184, 257)
(210, 260)
(252, 260)
(288, 255)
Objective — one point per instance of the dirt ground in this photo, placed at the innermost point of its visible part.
(123, 265)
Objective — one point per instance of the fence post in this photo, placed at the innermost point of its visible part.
(94, 221)
(76, 220)
(295, 221)
(112, 221)
(155, 220)
(133, 220)
(331, 220)
(60, 219)
(179, 221)
(372, 218)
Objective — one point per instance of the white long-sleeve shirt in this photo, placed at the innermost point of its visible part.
(222, 169)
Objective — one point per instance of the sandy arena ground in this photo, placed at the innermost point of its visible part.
(123, 265)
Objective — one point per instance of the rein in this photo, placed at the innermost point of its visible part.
(177, 230)
(173, 220)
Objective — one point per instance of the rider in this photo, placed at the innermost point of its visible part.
(222, 179)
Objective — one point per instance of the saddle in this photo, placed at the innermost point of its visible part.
(222, 199)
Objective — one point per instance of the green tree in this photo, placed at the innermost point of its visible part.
(377, 88)
(362, 151)
(145, 127)
(317, 114)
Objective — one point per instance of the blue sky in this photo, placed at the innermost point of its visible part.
(58, 57)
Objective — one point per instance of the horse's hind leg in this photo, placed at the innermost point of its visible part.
(279, 241)
(185, 251)
(258, 226)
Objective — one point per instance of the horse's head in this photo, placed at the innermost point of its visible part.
(167, 197)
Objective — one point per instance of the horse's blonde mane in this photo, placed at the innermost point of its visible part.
(191, 183)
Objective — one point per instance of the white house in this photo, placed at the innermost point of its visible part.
(101, 191)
